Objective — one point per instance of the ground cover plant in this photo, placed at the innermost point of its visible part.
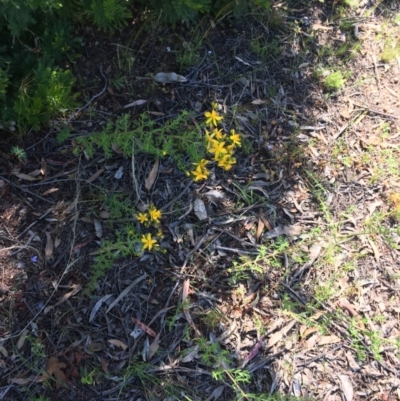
(214, 216)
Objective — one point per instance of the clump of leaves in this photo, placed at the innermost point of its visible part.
(334, 81)
(110, 14)
(19, 153)
(391, 50)
(177, 138)
(394, 201)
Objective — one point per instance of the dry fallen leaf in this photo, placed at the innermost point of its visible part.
(258, 101)
(194, 353)
(138, 102)
(22, 338)
(117, 149)
(148, 183)
(55, 367)
(186, 303)
(3, 351)
(215, 196)
(119, 173)
(290, 231)
(97, 306)
(216, 394)
(98, 228)
(145, 328)
(49, 247)
(157, 113)
(168, 77)
(126, 291)
(276, 337)
(75, 289)
(118, 343)
(50, 191)
(23, 381)
(57, 242)
(260, 228)
(94, 176)
(200, 209)
(332, 339)
(43, 167)
(26, 177)
(347, 387)
(154, 347)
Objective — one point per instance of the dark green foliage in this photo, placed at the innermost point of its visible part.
(110, 14)
(176, 138)
(37, 35)
(173, 11)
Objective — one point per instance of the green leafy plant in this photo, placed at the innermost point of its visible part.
(110, 15)
(19, 153)
(87, 377)
(266, 48)
(177, 138)
(334, 81)
(39, 398)
(391, 50)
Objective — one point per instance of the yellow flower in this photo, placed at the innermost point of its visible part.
(212, 117)
(235, 138)
(230, 148)
(226, 162)
(155, 214)
(201, 164)
(142, 217)
(218, 149)
(148, 242)
(200, 174)
(218, 133)
(209, 136)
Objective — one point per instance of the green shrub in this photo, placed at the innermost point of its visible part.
(35, 36)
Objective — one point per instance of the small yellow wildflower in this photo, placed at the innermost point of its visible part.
(226, 162)
(218, 149)
(235, 138)
(201, 164)
(148, 242)
(209, 136)
(155, 214)
(200, 174)
(212, 117)
(230, 148)
(218, 133)
(142, 217)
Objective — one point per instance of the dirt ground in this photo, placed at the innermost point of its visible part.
(288, 287)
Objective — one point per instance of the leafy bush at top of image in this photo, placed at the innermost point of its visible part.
(37, 35)
(173, 11)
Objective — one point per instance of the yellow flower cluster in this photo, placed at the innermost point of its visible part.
(152, 217)
(219, 144)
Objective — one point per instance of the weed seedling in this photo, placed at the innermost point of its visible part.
(334, 81)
